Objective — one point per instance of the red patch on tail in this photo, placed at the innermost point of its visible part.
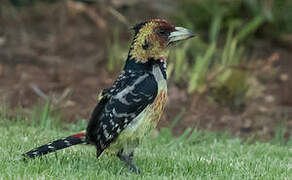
(79, 135)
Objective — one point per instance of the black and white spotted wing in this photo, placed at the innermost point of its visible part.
(120, 105)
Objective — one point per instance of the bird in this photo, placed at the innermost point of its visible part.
(129, 109)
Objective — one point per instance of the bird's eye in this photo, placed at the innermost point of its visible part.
(162, 32)
(145, 46)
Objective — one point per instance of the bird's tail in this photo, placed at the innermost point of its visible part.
(62, 143)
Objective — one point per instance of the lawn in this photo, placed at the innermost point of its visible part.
(200, 156)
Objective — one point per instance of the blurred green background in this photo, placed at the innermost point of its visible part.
(235, 76)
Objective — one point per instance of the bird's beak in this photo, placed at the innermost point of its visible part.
(180, 34)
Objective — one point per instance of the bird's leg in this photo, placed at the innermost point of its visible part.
(128, 159)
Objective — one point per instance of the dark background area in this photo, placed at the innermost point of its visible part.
(67, 51)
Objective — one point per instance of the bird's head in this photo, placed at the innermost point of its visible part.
(153, 39)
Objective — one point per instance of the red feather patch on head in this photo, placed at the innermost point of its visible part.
(162, 30)
(164, 24)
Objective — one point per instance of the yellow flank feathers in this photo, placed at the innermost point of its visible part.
(156, 47)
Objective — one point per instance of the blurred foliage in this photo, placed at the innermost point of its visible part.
(117, 53)
(42, 115)
(199, 13)
(216, 61)
(282, 17)
(20, 3)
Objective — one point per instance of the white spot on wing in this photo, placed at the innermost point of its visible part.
(118, 130)
(67, 143)
(119, 115)
(137, 100)
(112, 122)
(106, 134)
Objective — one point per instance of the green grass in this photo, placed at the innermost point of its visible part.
(200, 156)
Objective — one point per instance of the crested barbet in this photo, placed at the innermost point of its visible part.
(132, 106)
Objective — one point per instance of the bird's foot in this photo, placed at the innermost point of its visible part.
(128, 159)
